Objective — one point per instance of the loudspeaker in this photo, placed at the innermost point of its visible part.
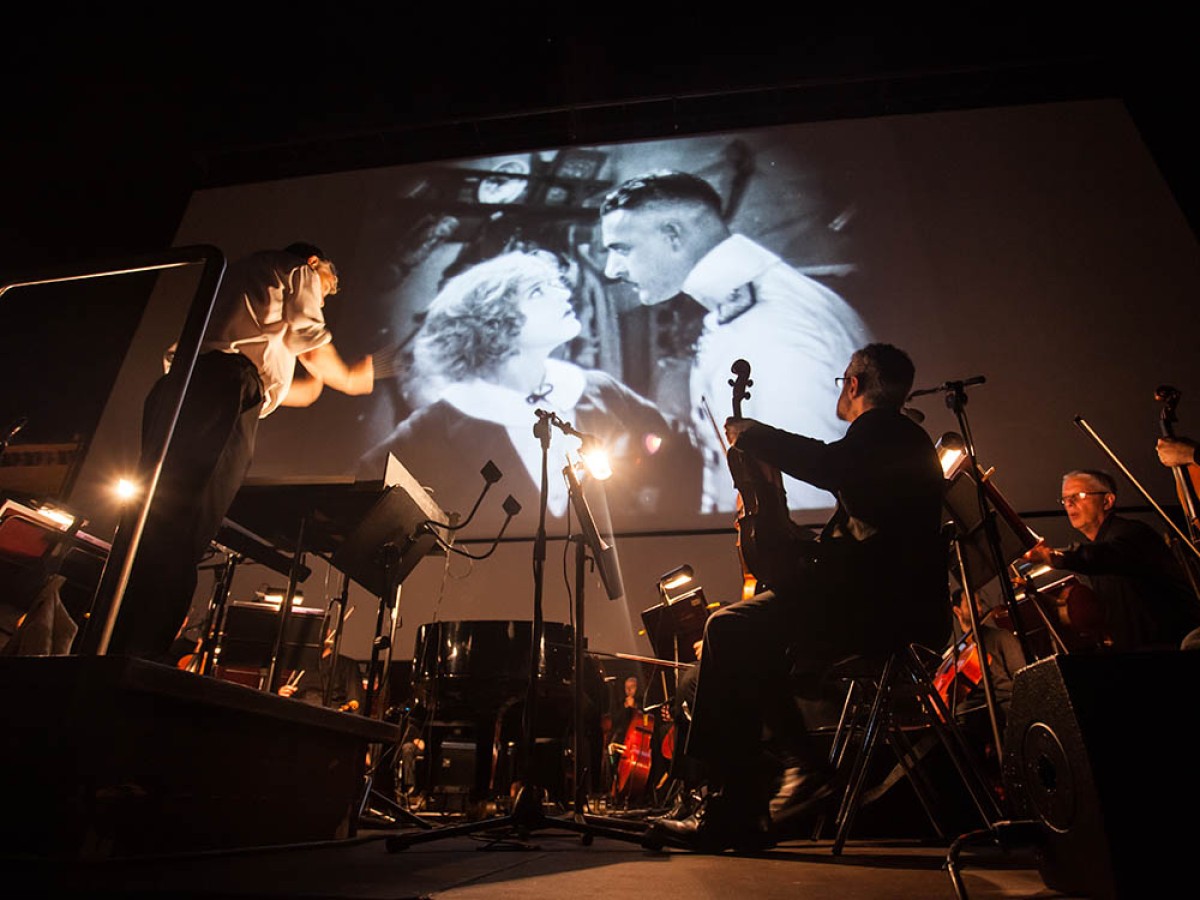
(1100, 754)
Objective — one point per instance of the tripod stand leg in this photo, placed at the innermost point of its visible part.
(369, 793)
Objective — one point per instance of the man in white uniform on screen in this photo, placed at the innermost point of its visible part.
(665, 235)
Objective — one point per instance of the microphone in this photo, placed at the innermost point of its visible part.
(566, 427)
(948, 386)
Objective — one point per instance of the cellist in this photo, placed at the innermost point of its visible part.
(1147, 602)
(962, 690)
(880, 583)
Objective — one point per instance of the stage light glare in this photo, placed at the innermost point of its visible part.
(652, 443)
(63, 520)
(125, 490)
(595, 459)
(274, 596)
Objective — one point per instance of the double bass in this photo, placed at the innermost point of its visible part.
(1186, 486)
(1186, 477)
(772, 547)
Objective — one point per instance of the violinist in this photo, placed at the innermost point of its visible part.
(1145, 597)
(878, 583)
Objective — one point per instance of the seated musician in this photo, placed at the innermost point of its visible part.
(1004, 653)
(340, 676)
(879, 584)
(1145, 597)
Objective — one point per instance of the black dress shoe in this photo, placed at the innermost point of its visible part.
(801, 791)
(718, 825)
(685, 805)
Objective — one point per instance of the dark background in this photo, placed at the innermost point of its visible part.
(111, 120)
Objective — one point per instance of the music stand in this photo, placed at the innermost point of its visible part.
(674, 626)
(975, 525)
(382, 550)
(400, 529)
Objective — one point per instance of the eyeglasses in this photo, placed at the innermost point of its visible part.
(841, 379)
(1077, 498)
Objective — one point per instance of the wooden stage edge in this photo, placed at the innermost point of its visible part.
(108, 757)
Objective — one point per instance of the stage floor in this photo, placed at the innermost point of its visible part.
(549, 864)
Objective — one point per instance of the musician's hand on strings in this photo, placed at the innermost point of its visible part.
(1176, 451)
(734, 427)
(1041, 553)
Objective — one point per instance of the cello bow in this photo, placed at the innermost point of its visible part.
(1087, 429)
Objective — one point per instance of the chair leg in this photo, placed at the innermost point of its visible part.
(880, 712)
(960, 752)
(908, 757)
(842, 736)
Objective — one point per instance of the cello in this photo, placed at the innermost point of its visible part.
(637, 758)
(635, 748)
(773, 548)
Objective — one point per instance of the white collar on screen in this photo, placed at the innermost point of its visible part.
(505, 406)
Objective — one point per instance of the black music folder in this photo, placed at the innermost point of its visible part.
(676, 626)
(353, 522)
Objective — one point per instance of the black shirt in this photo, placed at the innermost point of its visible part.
(885, 538)
(1147, 600)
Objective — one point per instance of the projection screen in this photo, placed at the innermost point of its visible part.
(1036, 247)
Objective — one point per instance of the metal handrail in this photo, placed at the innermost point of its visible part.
(106, 603)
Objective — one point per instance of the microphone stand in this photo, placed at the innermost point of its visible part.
(527, 815)
(1005, 832)
(956, 400)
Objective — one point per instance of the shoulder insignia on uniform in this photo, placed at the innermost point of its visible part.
(739, 300)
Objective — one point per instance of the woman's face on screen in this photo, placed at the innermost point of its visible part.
(550, 318)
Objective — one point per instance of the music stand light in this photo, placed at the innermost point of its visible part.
(952, 453)
(677, 577)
